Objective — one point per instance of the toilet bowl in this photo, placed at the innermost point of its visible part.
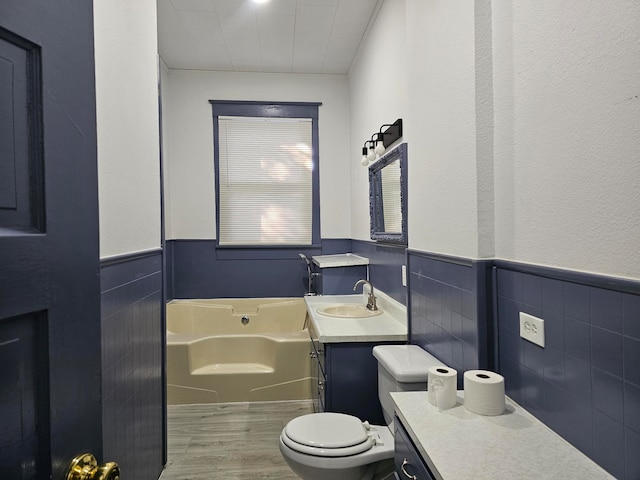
(336, 446)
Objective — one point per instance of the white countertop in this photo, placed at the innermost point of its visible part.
(458, 444)
(339, 260)
(389, 326)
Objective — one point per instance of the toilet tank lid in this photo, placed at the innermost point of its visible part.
(406, 363)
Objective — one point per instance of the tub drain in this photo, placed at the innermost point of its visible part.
(245, 320)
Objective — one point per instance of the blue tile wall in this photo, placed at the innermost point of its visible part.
(585, 383)
(385, 266)
(199, 270)
(196, 269)
(340, 280)
(332, 246)
(168, 270)
(132, 382)
(448, 309)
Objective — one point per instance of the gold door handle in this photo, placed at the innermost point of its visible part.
(85, 467)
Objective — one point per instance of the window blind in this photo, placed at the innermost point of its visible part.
(265, 181)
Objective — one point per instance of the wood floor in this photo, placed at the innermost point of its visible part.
(229, 440)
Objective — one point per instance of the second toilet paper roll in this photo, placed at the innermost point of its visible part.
(484, 392)
(442, 386)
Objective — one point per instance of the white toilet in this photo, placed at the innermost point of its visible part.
(326, 445)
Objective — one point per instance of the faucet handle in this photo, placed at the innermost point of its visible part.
(371, 302)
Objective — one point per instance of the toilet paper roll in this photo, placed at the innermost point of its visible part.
(442, 386)
(484, 392)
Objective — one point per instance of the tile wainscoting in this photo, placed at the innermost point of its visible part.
(385, 266)
(132, 359)
(449, 309)
(197, 269)
(585, 383)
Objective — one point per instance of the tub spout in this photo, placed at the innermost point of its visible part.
(371, 301)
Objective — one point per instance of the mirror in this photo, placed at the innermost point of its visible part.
(388, 196)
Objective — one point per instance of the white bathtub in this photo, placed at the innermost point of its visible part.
(237, 350)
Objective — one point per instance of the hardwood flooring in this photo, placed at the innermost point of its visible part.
(229, 440)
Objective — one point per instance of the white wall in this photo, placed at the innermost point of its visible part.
(127, 125)
(377, 83)
(429, 79)
(188, 136)
(567, 134)
(443, 181)
(522, 121)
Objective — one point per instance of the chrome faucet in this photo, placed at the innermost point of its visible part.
(311, 276)
(371, 302)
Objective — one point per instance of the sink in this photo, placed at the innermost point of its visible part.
(348, 310)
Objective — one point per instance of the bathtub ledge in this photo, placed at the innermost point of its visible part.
(233, 369)
(339, 260)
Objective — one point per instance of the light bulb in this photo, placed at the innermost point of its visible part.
(380, 147)
(365, 160)
(371, 156)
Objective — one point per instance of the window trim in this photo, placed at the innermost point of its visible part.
(231, 108)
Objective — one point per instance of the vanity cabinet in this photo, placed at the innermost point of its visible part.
(344, 379)
(408, 463)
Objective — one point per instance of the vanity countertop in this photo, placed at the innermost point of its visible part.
(390, 326)
(457, 443)
(339, 260)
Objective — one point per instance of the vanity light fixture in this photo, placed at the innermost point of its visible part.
(380, 141)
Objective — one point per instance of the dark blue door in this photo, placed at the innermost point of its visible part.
(50, 373)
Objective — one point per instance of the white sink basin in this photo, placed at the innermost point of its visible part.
(347, 310)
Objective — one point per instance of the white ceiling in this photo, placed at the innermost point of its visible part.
(280, 36)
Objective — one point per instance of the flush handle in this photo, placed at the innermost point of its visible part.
(405, 462)
(85, 467)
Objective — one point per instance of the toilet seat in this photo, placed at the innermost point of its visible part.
(327, 434)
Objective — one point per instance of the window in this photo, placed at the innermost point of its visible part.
(266, 174)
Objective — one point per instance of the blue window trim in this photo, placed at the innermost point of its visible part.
(229, 108)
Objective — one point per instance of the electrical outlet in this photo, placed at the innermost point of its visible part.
(532, 328)
(404, 275)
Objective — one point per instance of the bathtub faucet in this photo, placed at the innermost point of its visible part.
(371, 302)
(311, 276)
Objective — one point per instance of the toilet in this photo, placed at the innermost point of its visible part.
(331, 445)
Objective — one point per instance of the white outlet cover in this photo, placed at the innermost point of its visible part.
(404, 275)
(532, 328)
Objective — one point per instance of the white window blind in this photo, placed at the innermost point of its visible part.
(265, 181)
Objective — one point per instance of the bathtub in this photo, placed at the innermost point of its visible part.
(237, 350)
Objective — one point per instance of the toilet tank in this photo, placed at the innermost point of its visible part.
(401, 368)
